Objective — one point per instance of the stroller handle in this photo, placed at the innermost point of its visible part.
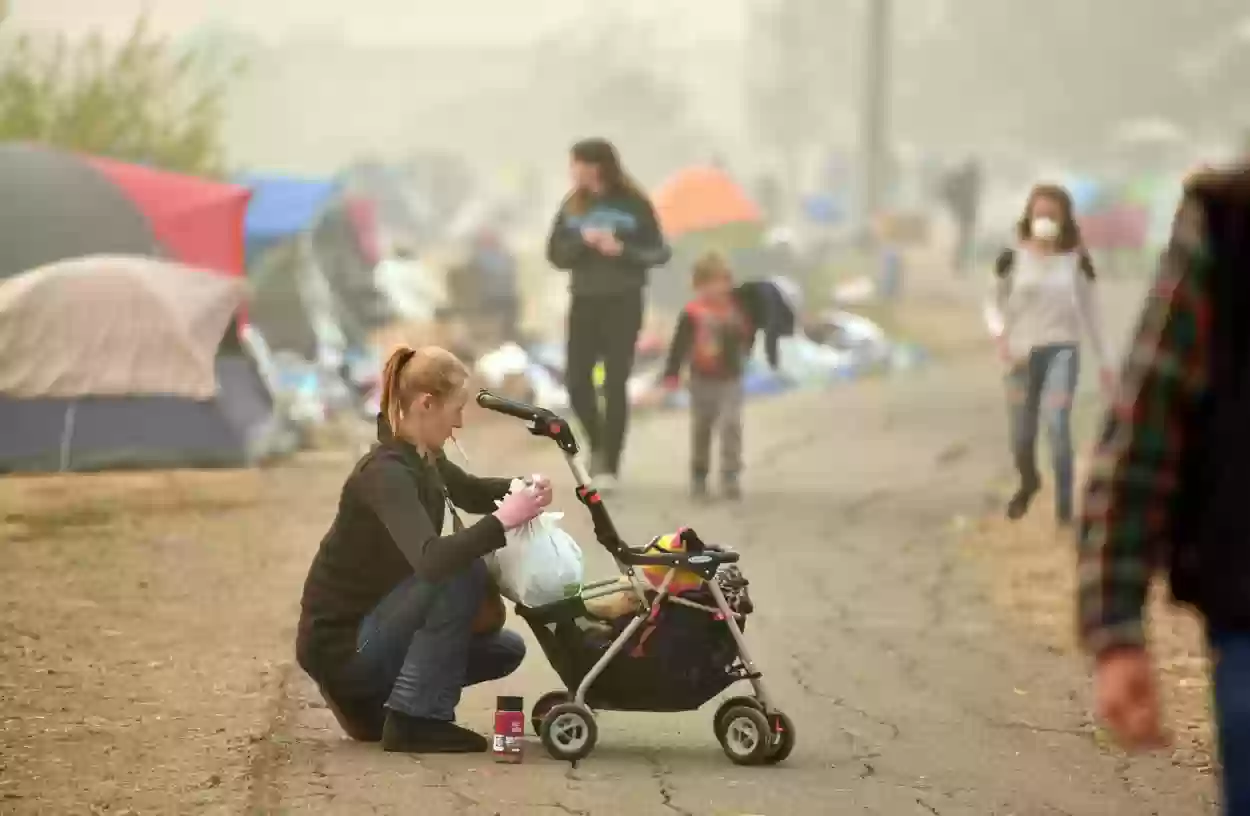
(512, 408)
(543, 421)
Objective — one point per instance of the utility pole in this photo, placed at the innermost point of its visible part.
(874, 126)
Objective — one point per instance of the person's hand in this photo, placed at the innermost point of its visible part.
(519, 507)
(1128, 698)
(1107, 379)
(611, 246)
(542, 488)
(670, 384)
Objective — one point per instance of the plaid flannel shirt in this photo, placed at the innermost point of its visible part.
(1135, 472)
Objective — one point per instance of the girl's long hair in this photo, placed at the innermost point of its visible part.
(603, 155)
(1069, 231)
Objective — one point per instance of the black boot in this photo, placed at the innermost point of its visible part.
(416, 735)
(1019, 503)
(361, 720)
(732, 487)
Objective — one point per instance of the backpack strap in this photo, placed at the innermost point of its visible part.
(1004, 263)
(1086, 264)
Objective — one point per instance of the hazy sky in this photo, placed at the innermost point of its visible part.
(378, 21)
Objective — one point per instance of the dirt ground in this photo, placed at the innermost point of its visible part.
(146, 627)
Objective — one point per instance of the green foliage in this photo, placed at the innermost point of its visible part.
(137, 100)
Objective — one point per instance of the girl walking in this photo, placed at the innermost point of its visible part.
(1044, 304)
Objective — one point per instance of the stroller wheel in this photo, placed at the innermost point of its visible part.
(745, 736)
(569, 732)
(545, 703)
(732, 703)
(782, 738)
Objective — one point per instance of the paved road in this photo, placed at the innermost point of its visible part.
(910, 695)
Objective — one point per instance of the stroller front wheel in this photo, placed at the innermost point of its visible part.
(569, 732)
(745, 735)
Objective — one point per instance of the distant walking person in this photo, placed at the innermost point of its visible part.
(1044, 300)
(1168, 487)
(607, 236)
(962, 193)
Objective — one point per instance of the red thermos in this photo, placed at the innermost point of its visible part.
(509, 729)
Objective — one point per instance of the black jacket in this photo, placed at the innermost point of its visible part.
(770, 311)
(633, 221)
(387, 528)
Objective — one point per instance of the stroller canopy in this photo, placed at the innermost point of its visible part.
(116, 361)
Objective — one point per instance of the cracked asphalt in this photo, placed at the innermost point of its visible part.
(147, 625)
(910, 694)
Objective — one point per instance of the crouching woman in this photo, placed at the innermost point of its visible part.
(397, 618)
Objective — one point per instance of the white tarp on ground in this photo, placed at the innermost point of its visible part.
(114, 325)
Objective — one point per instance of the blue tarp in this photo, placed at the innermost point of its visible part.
(283, 207)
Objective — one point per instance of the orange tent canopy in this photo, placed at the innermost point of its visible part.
(700, 198)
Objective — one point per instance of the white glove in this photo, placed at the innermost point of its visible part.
(520, 506)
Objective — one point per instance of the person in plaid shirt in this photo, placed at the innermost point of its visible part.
(1170, 482)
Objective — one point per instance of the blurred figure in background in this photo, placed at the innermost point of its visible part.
(607, 236)
(495, 270)
(1168, 487)
(1044, 301)
(961, 191)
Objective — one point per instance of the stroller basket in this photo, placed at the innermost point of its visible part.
(681, 658)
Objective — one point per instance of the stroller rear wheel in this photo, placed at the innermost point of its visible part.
(544, 705)
(745, 735)
(569, 732)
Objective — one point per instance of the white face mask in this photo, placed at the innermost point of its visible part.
(1045, 229)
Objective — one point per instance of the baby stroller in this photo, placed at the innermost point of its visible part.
(675, 653)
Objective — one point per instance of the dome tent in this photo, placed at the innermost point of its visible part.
(114, 361)
(58, 205)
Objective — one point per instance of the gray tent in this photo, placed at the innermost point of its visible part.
(56, 205)
(115, 362)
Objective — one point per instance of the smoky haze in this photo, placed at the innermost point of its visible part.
(763, 84)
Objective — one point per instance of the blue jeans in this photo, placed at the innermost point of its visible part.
(1230, 660)
(1043, 386)
(416, 650)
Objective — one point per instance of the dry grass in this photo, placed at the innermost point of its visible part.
(1030, 567)
(144, 626)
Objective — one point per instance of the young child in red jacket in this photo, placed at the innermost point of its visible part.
(713, 338)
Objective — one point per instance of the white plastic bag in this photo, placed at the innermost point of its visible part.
(540, 564)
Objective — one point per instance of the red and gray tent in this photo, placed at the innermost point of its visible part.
(56, 205)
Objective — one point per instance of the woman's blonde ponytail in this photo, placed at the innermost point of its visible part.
(392, 403)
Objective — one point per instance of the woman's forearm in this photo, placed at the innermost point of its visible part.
(473, 494)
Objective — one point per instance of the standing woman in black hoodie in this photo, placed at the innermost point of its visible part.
(607, 236)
